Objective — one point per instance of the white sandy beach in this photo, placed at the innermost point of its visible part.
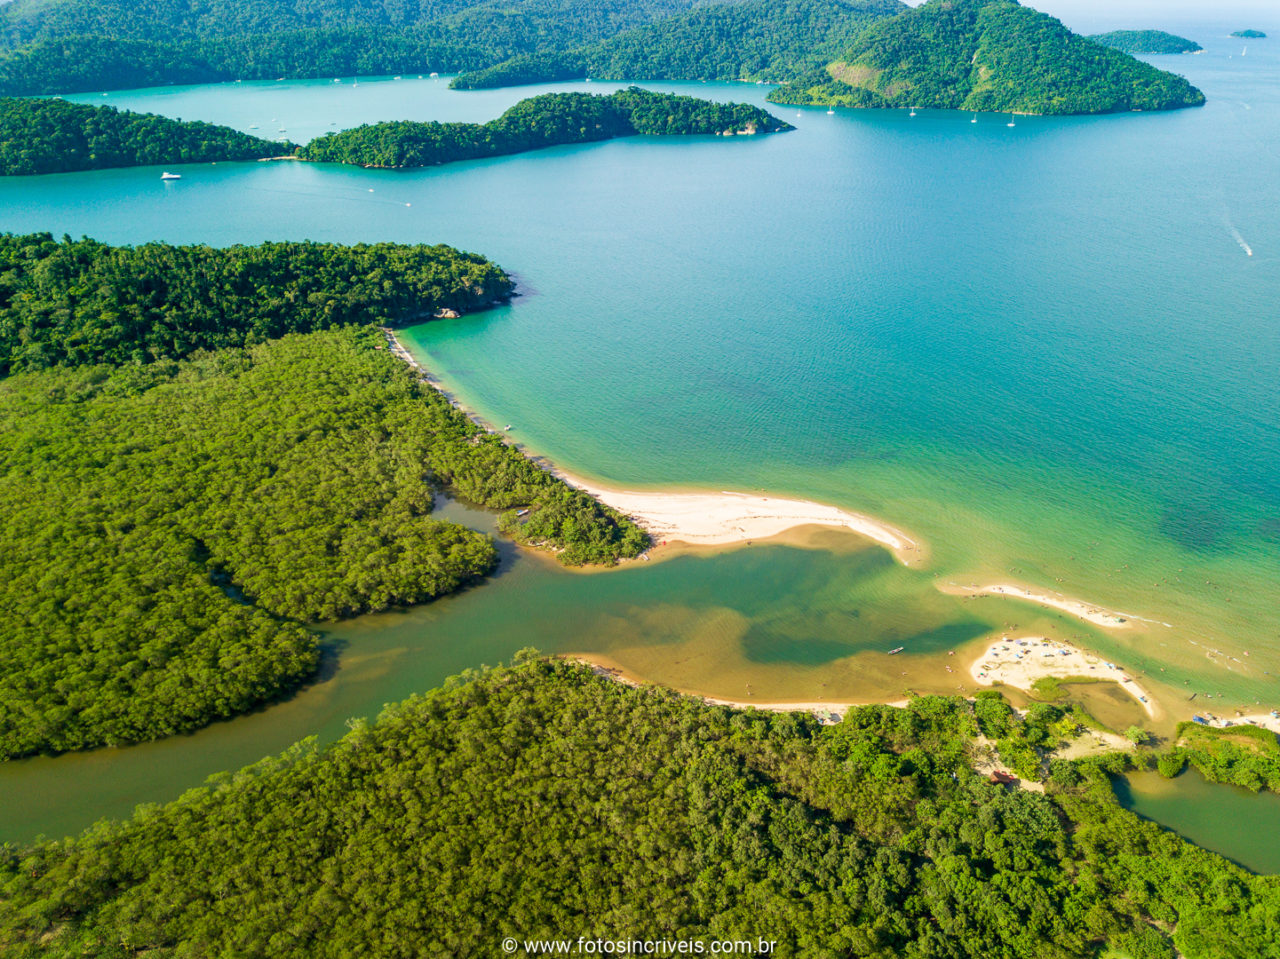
(1020, 662)
(1088, 612)
(710, 518)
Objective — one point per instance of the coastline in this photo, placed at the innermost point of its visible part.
(708, 518)
(1089, 612)
(1021, 662)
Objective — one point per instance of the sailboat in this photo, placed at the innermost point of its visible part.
(1011, 121)
(975, 119)
(913, 112)
(831, 109)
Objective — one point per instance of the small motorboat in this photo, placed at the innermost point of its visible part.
(170, 176)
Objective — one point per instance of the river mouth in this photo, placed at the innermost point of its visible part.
(1081, 402)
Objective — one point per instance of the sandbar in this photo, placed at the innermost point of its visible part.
(718, 518)
(1089, 612)
(1020, 662)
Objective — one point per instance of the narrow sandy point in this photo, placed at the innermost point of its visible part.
(713, 518)
(1270, 721)
(1020, 662)
(710, 519)
(1098, 615)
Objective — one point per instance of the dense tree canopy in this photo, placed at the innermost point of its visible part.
(80, 301)
(1146, 41)
(52, 136)
(59, 46)
(1247, 756)
(163, 527)
(991, 55)
(544, 802)
(543, 121)
(1250, 34)
(760, 39)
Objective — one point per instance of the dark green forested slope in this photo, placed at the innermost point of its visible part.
(141, 506)
(52, 136)
(53, 46)
(296, 473)
(542, 801)
(989, 55)
(1250, 34)
(80, 301)
(760, 39)
(543, 121)
(1146, 41)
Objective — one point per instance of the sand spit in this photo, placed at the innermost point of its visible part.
(1020, 662)
(713, 519)
(1098, 615)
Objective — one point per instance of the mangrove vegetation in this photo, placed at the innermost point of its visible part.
(542, 801)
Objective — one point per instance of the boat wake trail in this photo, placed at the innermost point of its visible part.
(1248, 250)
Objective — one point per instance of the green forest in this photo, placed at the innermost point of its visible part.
(64, 46)
(548, 120)
(201, 450)
(987, 55)
(81, 301)
(542, 801)
(53, 136)
(1250, 34)
(1245, 756)
(1146, 41)
(759, 40)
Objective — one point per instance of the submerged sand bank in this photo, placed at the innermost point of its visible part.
(1020, 662)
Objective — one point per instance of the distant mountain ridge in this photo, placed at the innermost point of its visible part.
(987, 55)
(61, 46)
(768, 40)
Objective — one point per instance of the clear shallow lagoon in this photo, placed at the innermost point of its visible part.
(1044, 349)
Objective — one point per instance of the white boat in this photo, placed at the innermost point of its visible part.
(1011, 121)
(831, 111)
(913, 112)
(434, 76)
(975, 119)
(170, 176)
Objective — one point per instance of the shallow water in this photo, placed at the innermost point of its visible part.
(1042, 349)
(1238, 824)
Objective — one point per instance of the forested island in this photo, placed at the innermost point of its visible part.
(53, 136)
(1146, 41)
(1250, 34)
(548, 120)
(770, 40)
(203, 450)
(542, 801)
(987, 55)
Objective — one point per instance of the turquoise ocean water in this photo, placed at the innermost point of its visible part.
(1050, 350)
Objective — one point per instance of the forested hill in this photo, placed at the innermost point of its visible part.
(201, 450)
(59, 46)
(987, 55)
(542, 121)
(769, 40)
(53, 136)
(80, 301)
(1146, 41)
(544, 802)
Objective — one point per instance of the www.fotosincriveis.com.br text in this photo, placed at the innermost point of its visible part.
(584, 946)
